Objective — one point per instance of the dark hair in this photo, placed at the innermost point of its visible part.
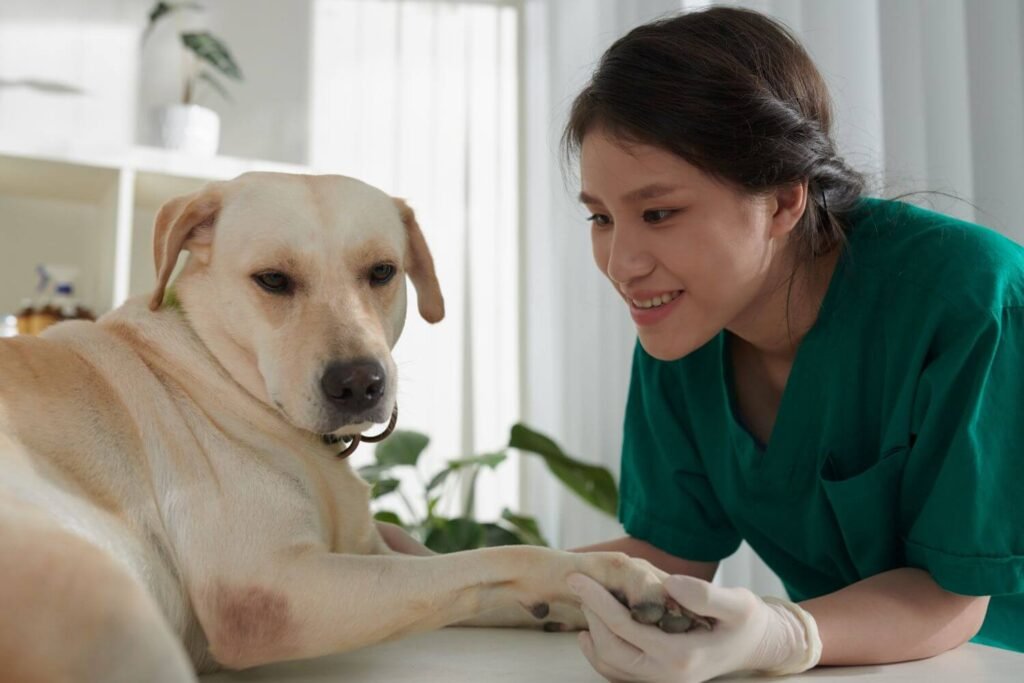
(732, 92)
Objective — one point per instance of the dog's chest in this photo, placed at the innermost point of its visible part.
(345, 502)
(289, 494)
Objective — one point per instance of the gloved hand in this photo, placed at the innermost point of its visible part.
(766, 635)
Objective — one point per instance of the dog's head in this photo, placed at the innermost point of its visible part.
(296, 284)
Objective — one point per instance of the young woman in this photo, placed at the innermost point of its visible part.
(837, 380)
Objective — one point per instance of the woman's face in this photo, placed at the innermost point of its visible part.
(689, 255)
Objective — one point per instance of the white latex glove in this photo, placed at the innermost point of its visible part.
(766, 635)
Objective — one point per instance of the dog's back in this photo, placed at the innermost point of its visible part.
(64, 414)
(70, 560)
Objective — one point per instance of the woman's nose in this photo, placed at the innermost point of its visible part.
(629, 258)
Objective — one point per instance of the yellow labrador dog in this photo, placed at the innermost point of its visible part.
(168, 503)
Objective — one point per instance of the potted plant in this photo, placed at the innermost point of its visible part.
(402, 450)
(185, 125)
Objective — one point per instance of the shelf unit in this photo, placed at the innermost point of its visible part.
(94, 209)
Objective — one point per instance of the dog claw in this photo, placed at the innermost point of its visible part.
(680, 620)
(675, 623)
(647, 613)
(540, 610)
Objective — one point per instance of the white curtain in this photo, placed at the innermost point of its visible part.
(419, 99)
(928, 96)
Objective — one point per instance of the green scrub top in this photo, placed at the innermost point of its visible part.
(899, 441)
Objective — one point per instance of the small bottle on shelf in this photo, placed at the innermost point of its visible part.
(23, 317)
(62, 305)
(67, 307)
(45, 315)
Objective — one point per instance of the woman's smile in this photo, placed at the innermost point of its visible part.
(649, 308)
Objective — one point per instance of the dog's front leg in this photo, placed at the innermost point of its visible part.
(313, 603)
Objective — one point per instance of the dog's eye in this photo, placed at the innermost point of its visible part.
(273, 281)
(381, 273)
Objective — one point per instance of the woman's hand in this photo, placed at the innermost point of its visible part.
(748, 634)
(399, 540)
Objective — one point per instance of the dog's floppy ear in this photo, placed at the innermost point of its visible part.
(420, 266)
(183, 223)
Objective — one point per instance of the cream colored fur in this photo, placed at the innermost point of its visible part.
(167, 504)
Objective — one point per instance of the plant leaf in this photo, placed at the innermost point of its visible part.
(495, 534)
(439, 478)
(384, 487)
(208, 78)
(593, 483)
(159, 10)
(373, 473)
(209, 48)
(389, 516)
(431, 506)
(401, 448)
(491, 460)
(162, 9)
(469, 505)
(453, 535)
(526, 527)
(40, 85)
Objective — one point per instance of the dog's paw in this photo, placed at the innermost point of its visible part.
(637, 584)
(564, 617)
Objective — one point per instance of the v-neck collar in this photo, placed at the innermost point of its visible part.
(752, 450)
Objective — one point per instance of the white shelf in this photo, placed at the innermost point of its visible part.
(48, 179)
(94, 208)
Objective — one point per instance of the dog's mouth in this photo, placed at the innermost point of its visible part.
(352, 424)
(339, 424)
(352, 441)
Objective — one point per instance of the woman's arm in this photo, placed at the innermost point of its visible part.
(659, 558)
(895, 616)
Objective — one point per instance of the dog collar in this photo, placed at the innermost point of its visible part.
(171, 300)
(352, 442)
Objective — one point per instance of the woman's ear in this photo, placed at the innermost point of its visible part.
(183, 223)
(419, 264)
(788, 203)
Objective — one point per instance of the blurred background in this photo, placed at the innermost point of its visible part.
(110, 107)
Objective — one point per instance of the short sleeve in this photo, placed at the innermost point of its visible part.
(962, 494)
(666, 498)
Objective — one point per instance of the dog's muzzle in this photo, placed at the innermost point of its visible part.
(352, 441)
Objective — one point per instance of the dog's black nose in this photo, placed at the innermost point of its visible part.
(354, 386)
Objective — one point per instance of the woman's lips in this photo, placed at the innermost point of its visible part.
(653, 308)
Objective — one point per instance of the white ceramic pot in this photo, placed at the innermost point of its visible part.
(189, 128)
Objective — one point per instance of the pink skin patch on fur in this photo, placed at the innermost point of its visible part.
(251, 626)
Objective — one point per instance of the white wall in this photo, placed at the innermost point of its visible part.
(95, 49)
(89, 48)
(267, 116)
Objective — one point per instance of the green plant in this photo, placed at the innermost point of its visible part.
(592, 483)
(202, 50)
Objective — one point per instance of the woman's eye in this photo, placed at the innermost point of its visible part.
(657, 215)
(599, 219)
(381, 273)
(273, 281)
